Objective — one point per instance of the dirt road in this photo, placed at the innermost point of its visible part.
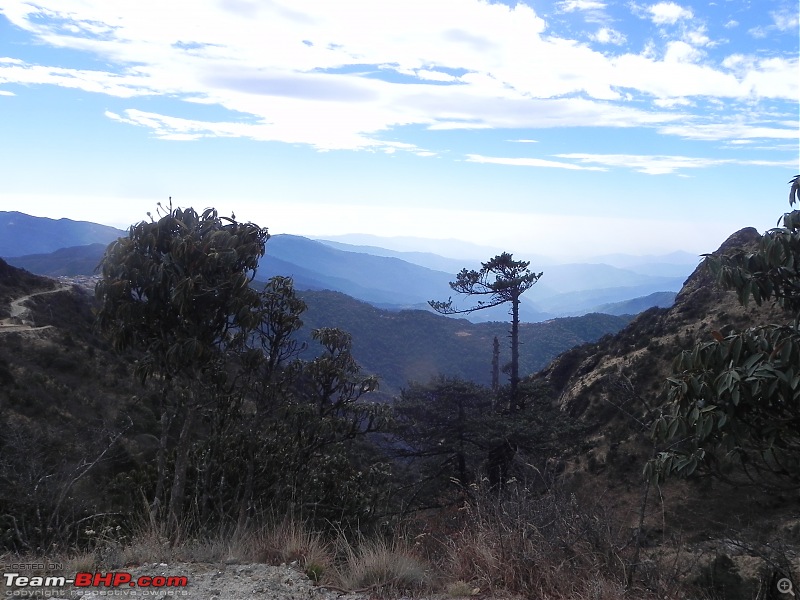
(17, 322)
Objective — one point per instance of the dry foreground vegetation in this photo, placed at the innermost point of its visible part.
(174, 427)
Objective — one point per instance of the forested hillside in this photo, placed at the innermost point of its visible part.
(414, 345)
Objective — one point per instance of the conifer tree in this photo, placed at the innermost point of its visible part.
(502, 279)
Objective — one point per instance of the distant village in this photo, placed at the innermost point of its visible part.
(84, 282)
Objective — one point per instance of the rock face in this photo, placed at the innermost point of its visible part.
(599, 382)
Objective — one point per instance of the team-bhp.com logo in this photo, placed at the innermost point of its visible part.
(23, 585)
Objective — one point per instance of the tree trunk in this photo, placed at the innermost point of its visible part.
(167, 415)
(247, 498)
(515, 403)
(462, 461)
(179, 478)
(495, 365)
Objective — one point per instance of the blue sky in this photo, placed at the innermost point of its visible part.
(571, 127)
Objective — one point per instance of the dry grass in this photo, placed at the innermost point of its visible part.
(523, 545)
(543, 546)
(292, 542)
(388, 565)
(519, 544)
(460, 589)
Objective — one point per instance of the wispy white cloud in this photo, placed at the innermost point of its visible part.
(7, 93)
(698, 36)
(102, 82)
(608, 35)
(573, 5)
(663, 165)
(529, 162)
(647, 164)
(524, 141)
(342, 75)
(671, 102)
(668, 13)
(681, 73)
(591, 11)
(785, 19)
(730, 131)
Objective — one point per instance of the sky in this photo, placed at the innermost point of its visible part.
(560, 128)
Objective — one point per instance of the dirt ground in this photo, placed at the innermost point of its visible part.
(203, 582)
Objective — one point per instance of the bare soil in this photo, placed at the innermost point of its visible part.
(204, 582)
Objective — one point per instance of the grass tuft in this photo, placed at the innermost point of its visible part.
(461, 589)
(378, 563)
(292, 542)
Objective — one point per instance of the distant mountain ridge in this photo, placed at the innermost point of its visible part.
(423, 259)
(22, 234)
(390, 279)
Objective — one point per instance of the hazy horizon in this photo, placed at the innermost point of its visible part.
(452, 248)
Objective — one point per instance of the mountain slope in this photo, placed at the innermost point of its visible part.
(16, 282)
(615, 389)
(637, 305)
(75, 260)
(642, 352)
(414, 345)
(22, 234)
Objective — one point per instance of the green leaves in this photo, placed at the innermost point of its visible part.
(794, 191)
(177, 288)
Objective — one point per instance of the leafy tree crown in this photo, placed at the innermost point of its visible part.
(177, 288)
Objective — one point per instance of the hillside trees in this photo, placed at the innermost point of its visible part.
(734, 402)
(501, 279)
(451, 439)
(442, 434)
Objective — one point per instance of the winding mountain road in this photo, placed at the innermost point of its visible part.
(16, 322)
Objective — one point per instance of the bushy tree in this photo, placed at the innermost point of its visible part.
(176, 290)
(260, 429)
(297, 442)
(734, 401)
(502, 279)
